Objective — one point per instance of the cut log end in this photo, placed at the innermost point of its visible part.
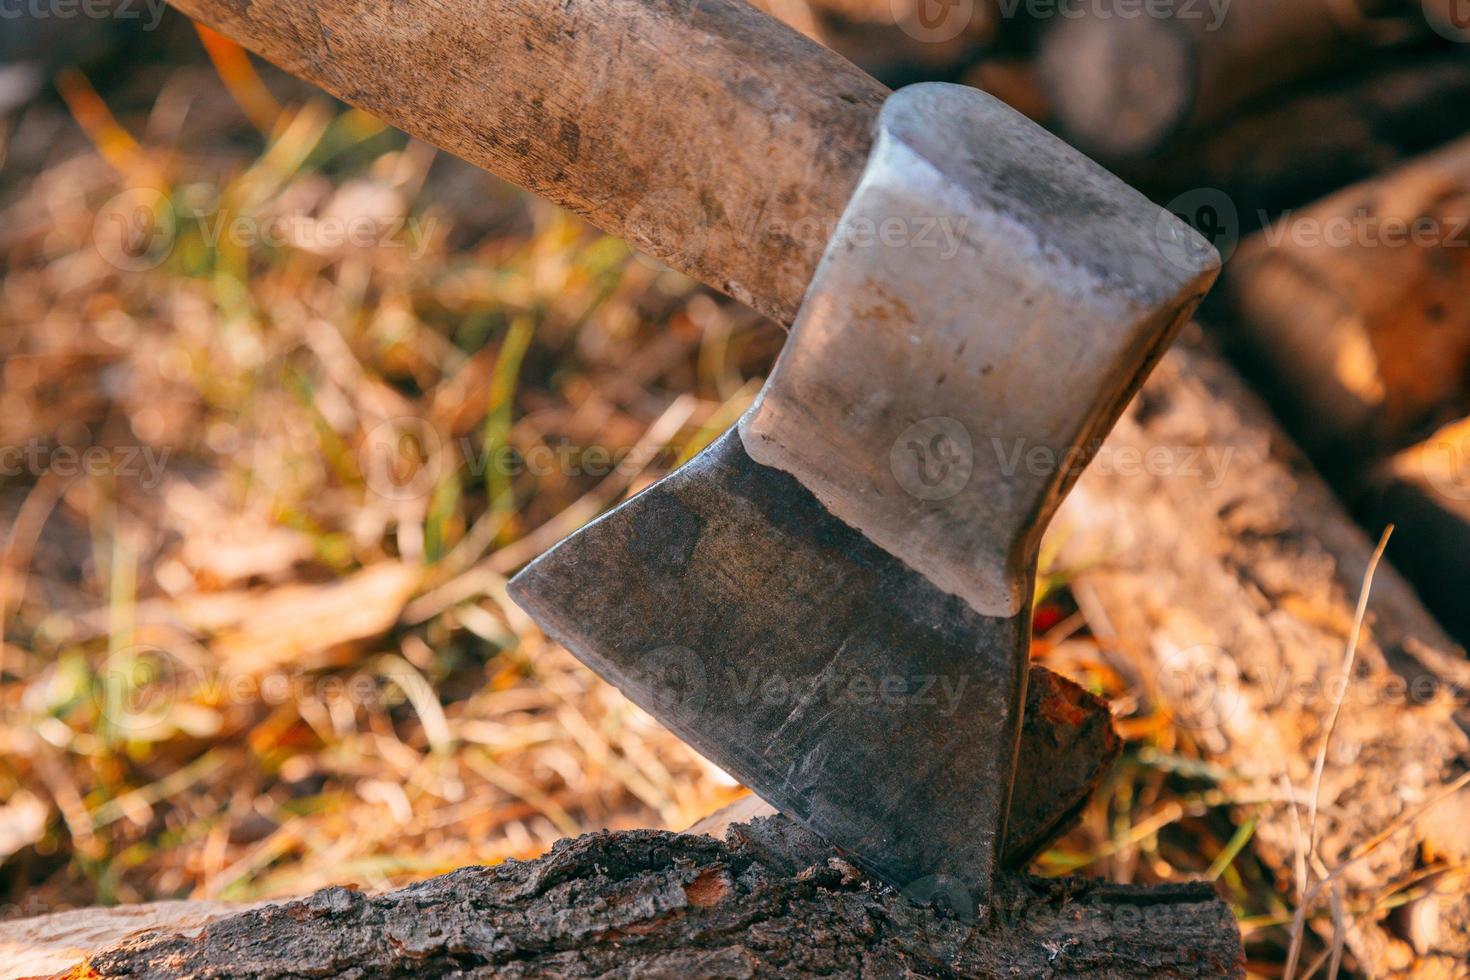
(1121, 88)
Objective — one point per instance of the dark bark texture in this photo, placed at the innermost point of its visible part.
(769, 901)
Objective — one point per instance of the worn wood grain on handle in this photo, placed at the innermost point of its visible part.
(704, 132)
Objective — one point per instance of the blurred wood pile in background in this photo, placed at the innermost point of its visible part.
(286, 397)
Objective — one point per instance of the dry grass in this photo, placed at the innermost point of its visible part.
(283, 656)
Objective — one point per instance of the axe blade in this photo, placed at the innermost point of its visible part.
(829, 677)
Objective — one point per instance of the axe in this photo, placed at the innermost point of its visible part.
(833, 600)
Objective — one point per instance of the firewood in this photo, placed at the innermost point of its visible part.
(1222, 576)
(53, 943)
(769, 901)
(1358, 307)
(1295, 150)
(1449, 18)
(1127, 82)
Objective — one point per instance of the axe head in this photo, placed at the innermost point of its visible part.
(832, 601)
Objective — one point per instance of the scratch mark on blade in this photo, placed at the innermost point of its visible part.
(810, 695)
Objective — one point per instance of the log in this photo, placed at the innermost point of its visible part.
(1224, 585)
(1449, 18)
(1357, 307)
(1337, 132)
(1424, 492)
(1126, 84)
(54, 943)
(898, 42)
(769, 901)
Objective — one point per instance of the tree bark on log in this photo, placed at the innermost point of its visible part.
(45, 945)
(769, 901)
(1225, 585)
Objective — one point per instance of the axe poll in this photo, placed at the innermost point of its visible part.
(833, 600)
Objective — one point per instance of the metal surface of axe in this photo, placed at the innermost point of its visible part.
(864, 543)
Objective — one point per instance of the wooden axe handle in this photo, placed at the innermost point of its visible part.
(706, 133)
